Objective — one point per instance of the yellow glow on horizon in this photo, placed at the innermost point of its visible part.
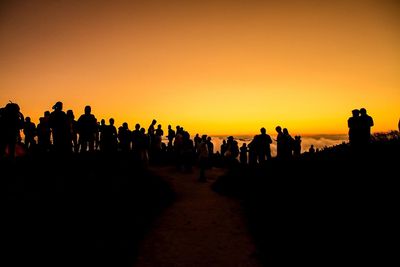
(218, 67)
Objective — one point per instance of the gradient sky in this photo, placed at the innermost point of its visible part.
(216, 67)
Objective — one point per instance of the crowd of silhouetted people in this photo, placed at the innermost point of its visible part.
(58, 132)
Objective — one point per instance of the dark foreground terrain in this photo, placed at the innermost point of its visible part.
(336, 207)
(84, 211)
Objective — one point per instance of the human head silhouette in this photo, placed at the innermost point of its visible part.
(111, 121)
(355, 112)
(137, 126)
(70, 114)
(278, 129)
(28, 119)
(262, 130)
(363, 111)
(103, 122)
(58, 106)
(88, 109)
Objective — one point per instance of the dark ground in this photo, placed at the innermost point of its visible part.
(84, 211)
(335, 208)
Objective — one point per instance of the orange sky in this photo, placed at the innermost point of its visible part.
(217, 67)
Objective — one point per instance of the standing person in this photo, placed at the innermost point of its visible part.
(43, 134)
(210, 147)
(58, 122)
(73, 128)
(159, 132)
(252, 152)
(288, 144)
(124, 137)
(203, 157)
(366, 122)
(87, 128)
(223, 147)
(30, 133)
(232, 151)
(136, 140)
(11, 122)
(297, 146)
(354, 128)
(151, 129)
(109, 138)
(171, 136)
(279, 143)
(262, 146)
(144, 146)
(243, 154)
(187, 152)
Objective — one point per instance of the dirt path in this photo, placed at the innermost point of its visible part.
(201, 228)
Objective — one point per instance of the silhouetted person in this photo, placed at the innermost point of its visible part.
(243, 154)
(151, 129)
(87, 128)
(354, 128)
(223, 147)
(144, 146)
(297, 146)
(171, 135)
(11, 122)
(187, 152)
(178, 147)
(252, 152)
(210, 146)
(124, 136)
(59, 125)
(287, 144)
(232, 151)
(30, 133)
(101, 133)
(366, 122)
(136, 135)
(311, 150)
(262, 147)
(280, 140)
(156, 141)
(197, 140)
(73, 129)
(203, 153)
(159, 133)
(43, 133)
(110, 138)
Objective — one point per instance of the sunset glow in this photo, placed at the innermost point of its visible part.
(217, 67)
